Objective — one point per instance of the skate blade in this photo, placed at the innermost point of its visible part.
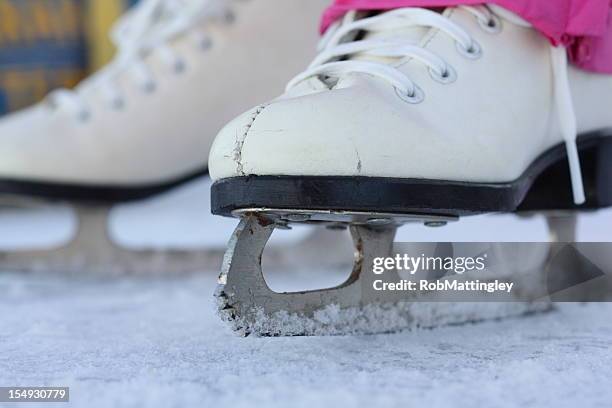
(246, 302)
(93, 252)
(148, 263)
(341, 219)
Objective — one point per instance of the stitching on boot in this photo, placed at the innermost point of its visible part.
(240, 139)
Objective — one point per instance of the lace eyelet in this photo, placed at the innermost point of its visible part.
(179, 66)
(491, 26)
(118, 104)
(473, 52)
(229, 17)
(449, 75)
(84, 116)
(205, 43)
(417, 97)
(149, 87)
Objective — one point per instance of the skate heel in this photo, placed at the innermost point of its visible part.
(552, 189)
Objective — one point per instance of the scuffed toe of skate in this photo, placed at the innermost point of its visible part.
(364, 130)
(225, 159)
(306, 135)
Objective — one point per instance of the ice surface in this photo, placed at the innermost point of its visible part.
(158, 343)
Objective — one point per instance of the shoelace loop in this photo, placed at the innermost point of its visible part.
(339, 44)
(146, 28)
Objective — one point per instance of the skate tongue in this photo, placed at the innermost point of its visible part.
(412, 35)
(364, 43)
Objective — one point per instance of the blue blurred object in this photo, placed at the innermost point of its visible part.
(42, 46)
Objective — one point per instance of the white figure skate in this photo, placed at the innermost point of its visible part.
(145, 123)
(409, 116)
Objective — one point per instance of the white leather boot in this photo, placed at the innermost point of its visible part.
(146, 121)
(409, 115)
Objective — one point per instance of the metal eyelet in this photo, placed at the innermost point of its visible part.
(84, 116)
(205, 43)
(492, 26)
(473, 52)
(180, 66)
(118, 104)
(229, 17)
(417, 97)
(449, 75)
(149, 87)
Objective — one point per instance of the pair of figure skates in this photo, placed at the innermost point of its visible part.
(411, 115)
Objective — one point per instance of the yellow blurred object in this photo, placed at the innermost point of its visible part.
(48, 44)
(41, 47)
(101, 15)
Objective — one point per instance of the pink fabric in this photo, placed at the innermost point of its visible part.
(584, 26)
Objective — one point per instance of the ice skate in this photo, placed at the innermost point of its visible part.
(144, 124)
(409, 116)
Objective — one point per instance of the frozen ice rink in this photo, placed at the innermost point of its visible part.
(157, 342)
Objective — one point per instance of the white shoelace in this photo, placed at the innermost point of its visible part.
(338, 45)
(145, 29)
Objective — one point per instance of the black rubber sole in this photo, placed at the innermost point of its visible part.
(92, 194)
(545, 185)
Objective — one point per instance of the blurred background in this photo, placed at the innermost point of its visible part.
(47, 44)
